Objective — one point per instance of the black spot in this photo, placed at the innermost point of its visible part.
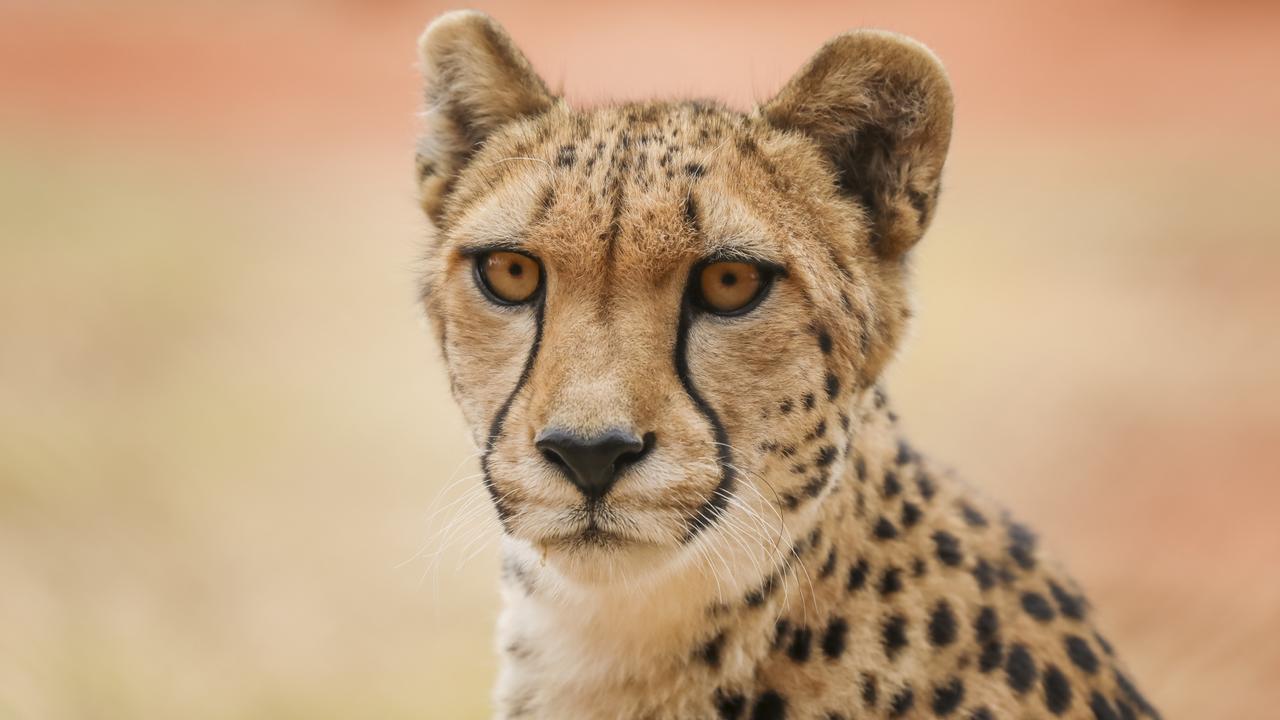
(942, 625)
(857, 575)
(925, 484)
(1037, 606)
(1070, 605)
(1057, 690)
(816, 485)
(1081, 654)
(991, 656)
(948, 548)
(905, 453)
(984, 574)
(981, 714)
(919, 567)
(829, 565)
(1126, 712)
(824, 342)
(833, 640)
(894, 635)
(910, 514)
(860, 467)
(869, 691)
(756, 597)
(769, 706)
(729, 705)
(818, 431)
(566, 155)
(901, 703)
(1102, 709)
(947, 697)
(844, 420)
(1102, 643)
(1022, 545)
(885, 529)
(800, 641)
(891, 581)
(785, 407)
(972, 516)
(826, 456)
(891, 485)
(780, 629)
(833, 386)
(710, 652)
(1131, 691)
(809, 401)
(1020, 669)
(987, 625)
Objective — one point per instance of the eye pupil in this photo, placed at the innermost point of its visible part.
(516, 269)
(728, 279)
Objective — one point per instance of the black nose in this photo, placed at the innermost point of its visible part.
(592, 463)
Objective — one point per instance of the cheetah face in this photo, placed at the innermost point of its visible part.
(655, 316)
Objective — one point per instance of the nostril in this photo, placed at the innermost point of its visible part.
(634, 456)
(552, 456)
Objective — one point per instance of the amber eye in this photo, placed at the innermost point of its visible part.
(508, 278)
(728, 288)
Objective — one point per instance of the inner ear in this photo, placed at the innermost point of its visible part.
(476, 81)
(879, 107)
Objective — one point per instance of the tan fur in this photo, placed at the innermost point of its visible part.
(756, 575)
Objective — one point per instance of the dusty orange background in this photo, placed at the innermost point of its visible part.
(223, 432)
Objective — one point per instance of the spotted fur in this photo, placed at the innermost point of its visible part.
(782, 552)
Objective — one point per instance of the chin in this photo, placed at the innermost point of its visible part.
(597, 557)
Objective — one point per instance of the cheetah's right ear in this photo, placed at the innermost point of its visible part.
(879, 107)
(476, 81)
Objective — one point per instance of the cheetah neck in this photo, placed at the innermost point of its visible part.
(630, 639)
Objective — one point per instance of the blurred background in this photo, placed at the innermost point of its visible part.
(224, 430)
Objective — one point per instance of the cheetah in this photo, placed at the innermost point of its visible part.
(665, 324)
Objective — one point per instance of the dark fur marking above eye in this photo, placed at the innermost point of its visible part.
(824, 342)
(691, 214)
(833, 386)
(695, 170)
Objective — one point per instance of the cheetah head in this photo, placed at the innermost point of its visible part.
(656, 317)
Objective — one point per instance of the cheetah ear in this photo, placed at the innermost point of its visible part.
(879, 106)
(476, 81)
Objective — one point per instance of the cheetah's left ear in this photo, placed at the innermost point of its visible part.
(879, 106)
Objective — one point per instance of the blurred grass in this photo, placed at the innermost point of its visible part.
(223, 426)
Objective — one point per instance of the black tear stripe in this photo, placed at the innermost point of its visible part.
(496, 427)
(719, 498)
